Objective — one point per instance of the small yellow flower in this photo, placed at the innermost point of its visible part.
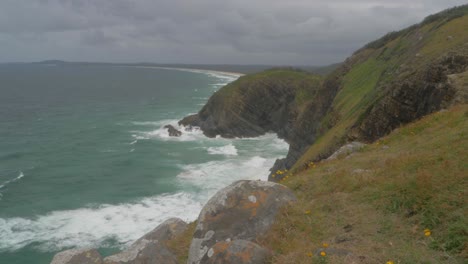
(323, 253)
(325, 245)
(309, 254)
(390, 262)
(307, 212)
(427, 232)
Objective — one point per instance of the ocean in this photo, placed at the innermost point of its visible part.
(85, 160)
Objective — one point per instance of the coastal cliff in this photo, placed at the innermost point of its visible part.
(392, 121)
(389, 82)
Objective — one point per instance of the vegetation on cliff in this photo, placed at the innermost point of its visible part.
(395, 80)
(401, 198)
(398, 200)
(389, 82)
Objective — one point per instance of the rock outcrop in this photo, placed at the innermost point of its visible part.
(148, 249)
(346, 150)
(257, 104)
(242, 211)
(77, 256)
(389, 82)
(143, 252)
(238, 252)
(425, 91)
(173, 132)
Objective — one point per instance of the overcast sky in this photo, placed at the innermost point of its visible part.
(280, 32)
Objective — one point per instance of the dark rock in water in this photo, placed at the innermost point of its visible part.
(236, 252)
(243, 210)
(143, 252)
(77, 256)
(166, 230)
(173, 132)
(190, 121)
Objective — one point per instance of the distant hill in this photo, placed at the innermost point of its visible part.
(213, 67)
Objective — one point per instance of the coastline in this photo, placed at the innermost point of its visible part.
(231, 74)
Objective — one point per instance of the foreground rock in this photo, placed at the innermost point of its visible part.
(173, 132)
(346, 150)
(150, 247)
(237, 251)
(143, 252)
(166, 230)
(242, 211)
(77, 256)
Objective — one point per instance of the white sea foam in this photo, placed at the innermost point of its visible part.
(91, 227)
(21, 175)
(161, 133)
(228, 150)
(214, 175)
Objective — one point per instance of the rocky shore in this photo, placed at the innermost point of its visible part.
(226, 231)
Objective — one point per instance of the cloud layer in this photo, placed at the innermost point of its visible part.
(307, 32)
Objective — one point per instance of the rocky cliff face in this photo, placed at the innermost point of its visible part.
(256, 104)
(389, 82)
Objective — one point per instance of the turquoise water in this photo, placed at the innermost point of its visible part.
(84, 160)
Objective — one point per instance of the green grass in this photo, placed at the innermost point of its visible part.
(389, 195)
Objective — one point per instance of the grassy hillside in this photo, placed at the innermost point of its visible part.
(401, 199)
(378, 202)
(376, 83)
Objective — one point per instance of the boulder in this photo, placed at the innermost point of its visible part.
(166, 230)
(346, 150)
(143, 252)
(77, 256)
(173, 132)
(150, 247)
(243, 210)
(238, 252)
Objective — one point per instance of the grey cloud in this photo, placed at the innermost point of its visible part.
(203, 31)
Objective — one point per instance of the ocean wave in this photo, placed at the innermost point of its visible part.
(214, 175)
(21, 175)
(92, 227)
(228, 150)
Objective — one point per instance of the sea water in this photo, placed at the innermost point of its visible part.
(85, 160)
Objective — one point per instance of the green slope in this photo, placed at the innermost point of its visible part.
(378, 202)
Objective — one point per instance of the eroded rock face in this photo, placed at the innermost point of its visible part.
(237, 251)
(426, 91)
(243, 210)
(77, 256)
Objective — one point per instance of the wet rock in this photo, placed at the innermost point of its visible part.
(173, 132)
(77, 256)
(143, 252)
(243, 210)
(236, 252)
